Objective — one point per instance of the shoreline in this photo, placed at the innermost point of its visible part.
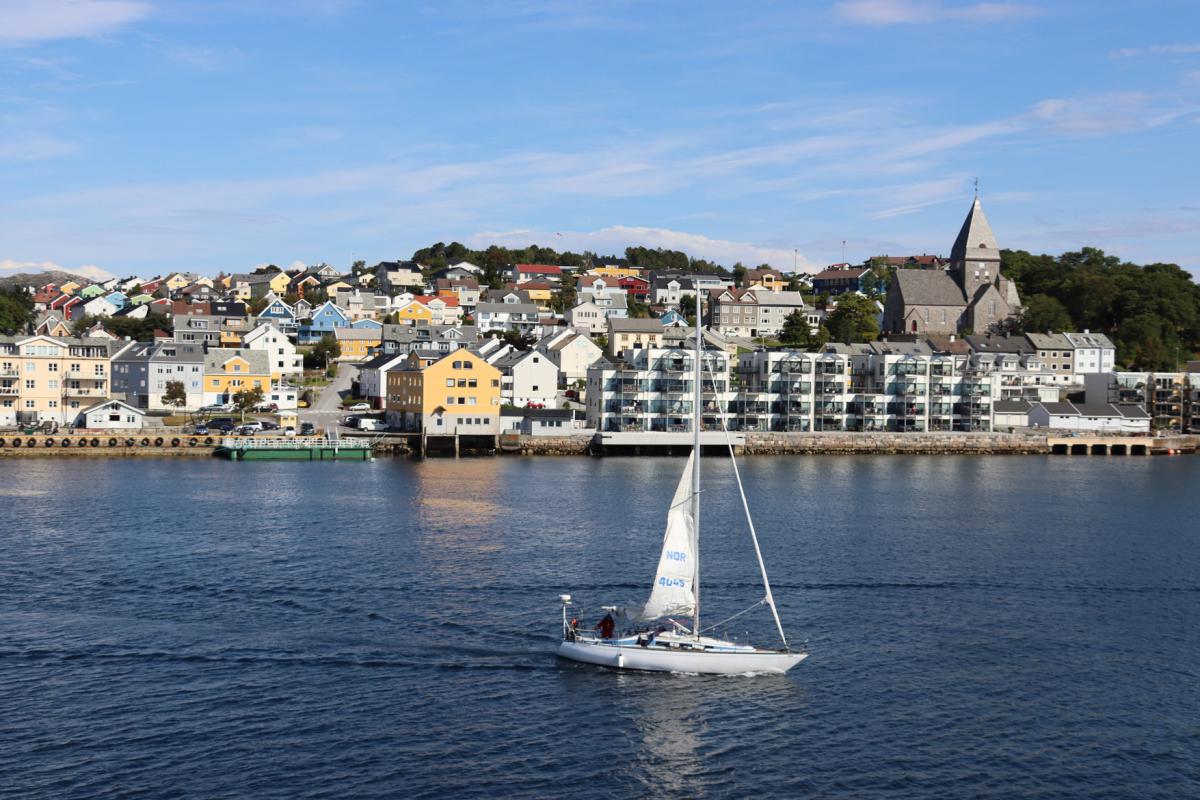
(96, 445)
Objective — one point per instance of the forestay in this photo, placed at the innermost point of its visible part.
(673, 592)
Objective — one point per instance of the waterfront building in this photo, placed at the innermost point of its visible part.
(51, 379)
(444, 394)
(140, 374)
(228, 371)
(1090, 417)
(650, 389)
(543, 422)
(1058, 354)
(110, 415)
(1168, 397)
(527, 377)
(970, 295)
(372, 376)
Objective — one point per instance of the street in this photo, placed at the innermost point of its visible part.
(326, 410)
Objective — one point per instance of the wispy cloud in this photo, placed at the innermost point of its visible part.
(1156, 50)
(915, 12)
(1098, 115)
(31, 21)
(616, 238)
(34, 147)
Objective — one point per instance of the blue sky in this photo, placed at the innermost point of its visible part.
(140, 136)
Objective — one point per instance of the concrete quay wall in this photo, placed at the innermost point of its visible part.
(897, 443)
(108, 444)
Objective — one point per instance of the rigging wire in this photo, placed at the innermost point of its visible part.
(769, 599)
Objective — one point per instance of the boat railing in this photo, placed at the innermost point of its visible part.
(283, 442)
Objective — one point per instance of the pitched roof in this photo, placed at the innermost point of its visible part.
(837, 274)
(975, 240)
(1049, 341)
(538, 269)
(928, 287)
(623, 325)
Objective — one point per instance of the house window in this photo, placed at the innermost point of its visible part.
(450, 381)
(30, 384)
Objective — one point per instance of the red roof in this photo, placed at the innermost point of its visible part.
(540, 269)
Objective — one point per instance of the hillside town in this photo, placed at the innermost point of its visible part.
(604, 348)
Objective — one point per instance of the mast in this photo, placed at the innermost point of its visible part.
(696, 471)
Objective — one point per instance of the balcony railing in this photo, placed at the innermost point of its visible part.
(9, 391)
(10, 373)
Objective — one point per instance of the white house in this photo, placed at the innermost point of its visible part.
(1094, 352)
(110, 415)
(1090, 417)
(527, 376)
(588, 318)
(517, 316)
(573, 353)
(285, 361)
(99, 307)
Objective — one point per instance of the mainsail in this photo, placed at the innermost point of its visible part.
(673, 593)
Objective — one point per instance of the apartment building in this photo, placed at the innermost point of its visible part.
(445, 394)
(52, 379)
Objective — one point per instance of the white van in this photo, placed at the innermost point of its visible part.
(365, 424)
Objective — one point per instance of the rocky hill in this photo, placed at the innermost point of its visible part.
(39, 278)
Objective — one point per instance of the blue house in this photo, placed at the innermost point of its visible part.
(673, 319)
(367, 323)
(118, 299)
(326, 318)
(280, 314)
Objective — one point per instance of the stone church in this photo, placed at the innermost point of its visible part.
(968, 296)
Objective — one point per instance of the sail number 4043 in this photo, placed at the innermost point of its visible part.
(675, 555)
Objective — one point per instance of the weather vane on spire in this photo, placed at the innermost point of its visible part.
(977, 187)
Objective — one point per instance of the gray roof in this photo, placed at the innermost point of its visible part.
(1012, 406)
(999, 344)
(779, 299)
(624, 325)
(901, 348)
(928, 287)
(1050, 341)
(1061, 409)
(975, 241)
(1089, 339)
(259, 360)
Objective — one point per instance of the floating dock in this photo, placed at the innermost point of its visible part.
(293, 448)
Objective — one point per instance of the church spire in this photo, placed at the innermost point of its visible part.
(975, 241)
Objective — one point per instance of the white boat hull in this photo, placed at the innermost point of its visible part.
(662, 659)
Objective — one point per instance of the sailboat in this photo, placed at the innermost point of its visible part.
(667, 635)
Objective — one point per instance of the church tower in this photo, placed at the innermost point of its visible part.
(975, 257)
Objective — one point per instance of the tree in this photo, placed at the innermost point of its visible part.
(358, 267)
(1043, 314)
(16, 310)
(797, 333)
(325, 351)
(176, 395)
(247, 400)
(854, 319)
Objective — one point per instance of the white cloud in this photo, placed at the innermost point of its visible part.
(1155, 50)
(914, 12)
(28, 21)
(616, 238)
(1103, 114)
(90, 271)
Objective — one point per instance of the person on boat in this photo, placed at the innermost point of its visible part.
(607, 627)
(573, 629)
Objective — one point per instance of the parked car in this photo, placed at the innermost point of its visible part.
(224, 426)
(307, 429)
(200, 430)
(217, 408)
(368, 424)
(289, 431)
(359, 407)
(253, 427)
(267, 425)
(267, 407)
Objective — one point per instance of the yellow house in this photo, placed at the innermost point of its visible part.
(613, 271)
(539, 294)
(455, 394)
(51, 379)
(769, 279)
(70, 287)
(358, 344)
(228, 371)
(331, 288)
(178, 281)
(415, 313)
